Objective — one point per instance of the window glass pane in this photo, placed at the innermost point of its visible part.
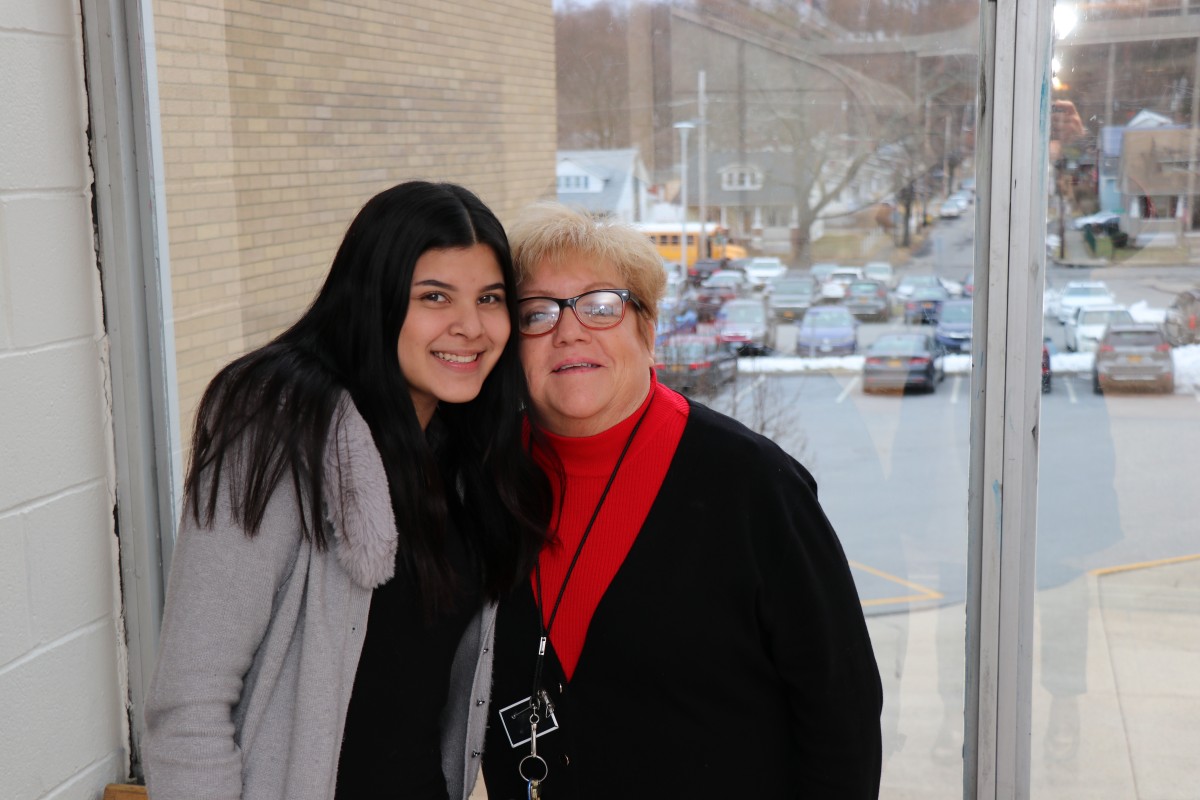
(1117, 612)
(820, 132)
(830, 133)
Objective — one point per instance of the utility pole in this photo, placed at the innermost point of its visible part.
(702, 159)
(683, 128)
(946, 158)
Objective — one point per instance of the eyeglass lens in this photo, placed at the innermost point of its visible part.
(597, 309)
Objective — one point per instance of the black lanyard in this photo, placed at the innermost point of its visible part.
(545, 624)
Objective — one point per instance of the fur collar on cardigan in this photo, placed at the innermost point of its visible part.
(358, 504)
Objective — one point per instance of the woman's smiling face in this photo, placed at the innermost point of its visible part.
(584, 381)
(455, 329)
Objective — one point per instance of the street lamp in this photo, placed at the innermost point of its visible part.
(683, 128)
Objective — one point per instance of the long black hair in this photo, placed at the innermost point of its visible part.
(266, 416)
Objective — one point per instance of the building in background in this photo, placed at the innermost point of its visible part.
(609, 183)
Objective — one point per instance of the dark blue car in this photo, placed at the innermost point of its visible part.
(953, 330)
(827, 331)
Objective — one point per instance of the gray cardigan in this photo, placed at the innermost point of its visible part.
(261, 639)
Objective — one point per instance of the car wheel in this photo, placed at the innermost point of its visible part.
(1096, 388)
(1169, 385)
(1046, 384)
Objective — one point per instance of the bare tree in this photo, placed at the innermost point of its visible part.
(592, 71)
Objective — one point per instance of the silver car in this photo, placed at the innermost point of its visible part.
(1133, 355)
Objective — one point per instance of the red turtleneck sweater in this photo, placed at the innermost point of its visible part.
(588, 462)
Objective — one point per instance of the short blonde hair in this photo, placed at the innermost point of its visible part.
(548, 232)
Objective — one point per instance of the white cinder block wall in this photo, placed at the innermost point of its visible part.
(62, 728)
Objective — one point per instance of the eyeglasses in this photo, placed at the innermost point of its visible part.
(598, 309)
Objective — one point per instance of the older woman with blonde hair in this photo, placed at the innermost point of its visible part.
(691, 629)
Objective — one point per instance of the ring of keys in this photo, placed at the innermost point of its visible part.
(533, 768)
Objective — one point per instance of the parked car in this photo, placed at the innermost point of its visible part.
(1084, 330)
(910, 283)
(744, 326)
(676, 315)
(880, 271)
(763, 270)
(954, 323)
(702, 270)
(968, 284)
(868, 298)
(903, 360)
(949, 209)
(925, 305)
(1182, 322)
(1047, 375)
(791, 296)
(719, 288)
(833, 290)
(821, 272)
(695, 364)
(962, 199)
(1100, 218)
(827, 331)
(1133, 355)
(1077, 294)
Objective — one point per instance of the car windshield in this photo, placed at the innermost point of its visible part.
(878, 272)
(723, 280)
(929, 293)
(744, 313)
(864, 288)
(956, 312)
(793, 287)
(898, 345)
(1122, 339)
(1106, 317)
(827, 317)
(919, 280)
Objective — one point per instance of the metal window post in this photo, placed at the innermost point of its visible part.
(132, 250)
(1010, 259)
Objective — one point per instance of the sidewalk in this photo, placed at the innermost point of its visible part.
(1079, 255)
(1116, 691)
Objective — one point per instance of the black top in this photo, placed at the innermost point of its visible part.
(390, 747)
(728, 658)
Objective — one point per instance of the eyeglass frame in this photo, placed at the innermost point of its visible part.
(626, 296)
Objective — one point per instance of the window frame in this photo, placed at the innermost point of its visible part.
(1012, 123)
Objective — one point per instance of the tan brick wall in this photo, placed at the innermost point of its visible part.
(281, 118)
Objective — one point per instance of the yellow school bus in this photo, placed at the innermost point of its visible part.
(667, 235)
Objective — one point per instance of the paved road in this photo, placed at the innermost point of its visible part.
(893, 469)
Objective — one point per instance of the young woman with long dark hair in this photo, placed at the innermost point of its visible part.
(357, 492)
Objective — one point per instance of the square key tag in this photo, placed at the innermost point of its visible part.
(515, 719)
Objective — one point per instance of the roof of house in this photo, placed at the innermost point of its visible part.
(615, 168)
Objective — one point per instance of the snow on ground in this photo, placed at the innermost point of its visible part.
(1187, 365)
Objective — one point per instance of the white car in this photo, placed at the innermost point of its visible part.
(1080, 294)
(880, 271)
(1100, 218)
(1087, 326)
(763, 270)
(833, 290)
(950, 210)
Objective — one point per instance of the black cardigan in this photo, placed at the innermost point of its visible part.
(729, 656)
